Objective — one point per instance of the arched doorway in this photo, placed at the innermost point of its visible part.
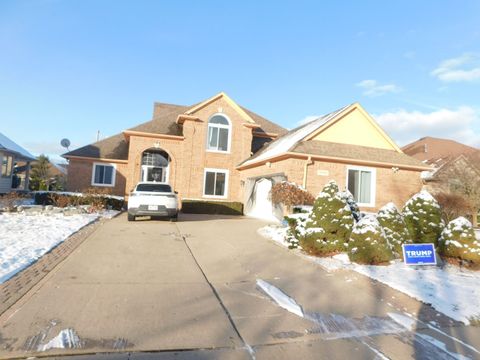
(155, 166)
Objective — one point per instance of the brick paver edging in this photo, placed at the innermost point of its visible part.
(14, 288)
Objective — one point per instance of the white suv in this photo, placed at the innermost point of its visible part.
(153, 199)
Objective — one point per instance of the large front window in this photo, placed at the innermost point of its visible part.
(361, 183)
(155, 166)
(103, 175)
(215, 183)
(218, 134)
(7, 165)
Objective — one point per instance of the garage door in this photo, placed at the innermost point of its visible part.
(258, 203)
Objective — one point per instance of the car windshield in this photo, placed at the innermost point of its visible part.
(154, 187)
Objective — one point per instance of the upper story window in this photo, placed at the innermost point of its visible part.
(219, 133)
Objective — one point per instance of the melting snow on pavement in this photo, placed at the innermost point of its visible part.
(450, 290)
(66, 339)
(336, 326)
(24, 239)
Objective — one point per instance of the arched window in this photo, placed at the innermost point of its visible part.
(155, 166)
(218, 133)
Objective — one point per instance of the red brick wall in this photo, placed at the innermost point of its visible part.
(396, 187)
(80, 176)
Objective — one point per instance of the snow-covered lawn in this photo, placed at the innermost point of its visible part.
(450, 290)
(25, 238)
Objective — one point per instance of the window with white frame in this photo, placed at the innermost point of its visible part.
(361, 183)
(7, 165)
(103, 174)
(215, 183)
(219, 130)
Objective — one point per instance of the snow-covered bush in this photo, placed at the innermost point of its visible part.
(349, 199)
(296, 229)
(423, 218)
(458, 241)
(394, 227)
(368, 243)
(330, 223)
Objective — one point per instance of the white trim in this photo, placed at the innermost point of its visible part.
(373, 185)
(114, 174)
(223, 171)
(167, 173)
(219, 126)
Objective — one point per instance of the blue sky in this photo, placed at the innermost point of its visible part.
(72, 68)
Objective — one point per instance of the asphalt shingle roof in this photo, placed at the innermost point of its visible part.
(163, 122)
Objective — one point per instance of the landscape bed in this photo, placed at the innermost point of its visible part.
(451, 290)
(26, 237)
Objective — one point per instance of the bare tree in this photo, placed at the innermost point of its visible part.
(462, 177)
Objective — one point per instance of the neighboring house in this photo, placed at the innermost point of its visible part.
(10, 154)
(452, 162)
(217, 150)
(436, 151)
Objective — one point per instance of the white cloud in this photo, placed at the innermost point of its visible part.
(407, 126)
(463, 68)
(373, 88)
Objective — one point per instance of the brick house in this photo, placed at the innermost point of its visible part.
(219, 151)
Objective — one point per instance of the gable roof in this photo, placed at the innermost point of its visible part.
(164, 121)
(284, 143)
(10, 146)
(357, 153)
(436, 151)
(299, 141)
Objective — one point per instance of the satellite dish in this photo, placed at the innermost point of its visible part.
(65, 143)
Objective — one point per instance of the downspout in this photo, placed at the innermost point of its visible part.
(309, 161)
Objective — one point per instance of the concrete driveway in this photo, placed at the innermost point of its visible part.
(187, 290)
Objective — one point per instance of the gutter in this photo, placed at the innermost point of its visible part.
(309, 161)
(287, 155)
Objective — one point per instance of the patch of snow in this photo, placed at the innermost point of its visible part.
(406, 321)
(24, 239)
(448, 290)
(275, 233)
(282, 299)
(425, 196)
(368, 223)
(451, 290)
(440, 345)
(66, 339)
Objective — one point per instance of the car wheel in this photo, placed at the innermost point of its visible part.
(174, 218)
(131, 217)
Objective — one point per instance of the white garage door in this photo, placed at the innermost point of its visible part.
(260, 205)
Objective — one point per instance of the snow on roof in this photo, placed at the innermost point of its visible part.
(9, 145)
(287, 141)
